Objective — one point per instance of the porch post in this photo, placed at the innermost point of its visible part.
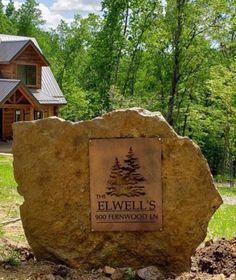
(22, 114)
(31, 113)
(50, 111)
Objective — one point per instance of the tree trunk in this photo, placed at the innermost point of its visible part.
(117, 68)
(176, 60)
(185, 120)
(147, 22)
(225, 164)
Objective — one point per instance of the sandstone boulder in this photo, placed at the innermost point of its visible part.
(51, 165)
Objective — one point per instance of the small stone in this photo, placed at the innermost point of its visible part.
(208, 243)
(108, 270)
(123, 269)
(7, 266)
(150, 273)
(117, 275)
(50, 277)
(220, 277)
(62, 271)
(100, 270)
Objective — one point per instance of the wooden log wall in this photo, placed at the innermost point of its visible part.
(27, 114)
(8, 119)
(8, 71)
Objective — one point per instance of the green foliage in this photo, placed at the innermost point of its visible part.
(9, 256)
(13, 259)
(28, 18)
(1, 231)
(129, 275)
(81, 104)
(174, 56)
(10, 10)
(5, 24)
(213, 121)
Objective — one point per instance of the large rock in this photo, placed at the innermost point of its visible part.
(51, 163)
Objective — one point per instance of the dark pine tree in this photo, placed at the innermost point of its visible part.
(116, 178)
(126, 180)
(132, 175)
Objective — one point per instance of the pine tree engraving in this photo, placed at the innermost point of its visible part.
(116, 181)
(126, 180)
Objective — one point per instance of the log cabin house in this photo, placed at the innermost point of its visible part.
(28, 89)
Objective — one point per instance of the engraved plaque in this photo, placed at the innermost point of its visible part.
(125, 184)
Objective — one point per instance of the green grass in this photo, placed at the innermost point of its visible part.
(223, 223)
(9, 255)
(6, 172)
(8, 192)
(10, 200)
(226, 191)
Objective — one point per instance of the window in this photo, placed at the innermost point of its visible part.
(17, 115)
(38, 115)
(27, 74)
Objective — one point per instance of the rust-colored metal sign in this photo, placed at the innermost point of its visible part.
(125, 184)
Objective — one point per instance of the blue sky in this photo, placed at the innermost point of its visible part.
(55, 10)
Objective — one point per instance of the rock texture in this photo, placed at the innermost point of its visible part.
(52, 171)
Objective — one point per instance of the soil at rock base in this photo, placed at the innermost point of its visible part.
(215, 258)
(214, 261)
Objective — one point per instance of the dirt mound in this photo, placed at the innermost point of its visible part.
(215, 261)
(216, 257)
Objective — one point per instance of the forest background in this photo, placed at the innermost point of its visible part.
(175, 56)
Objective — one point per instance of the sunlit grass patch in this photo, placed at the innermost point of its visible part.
(6, 171)
(10, 201)
(227, 191)
(223, 223)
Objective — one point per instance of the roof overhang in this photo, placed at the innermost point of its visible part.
(19, 85)
(22, 49)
